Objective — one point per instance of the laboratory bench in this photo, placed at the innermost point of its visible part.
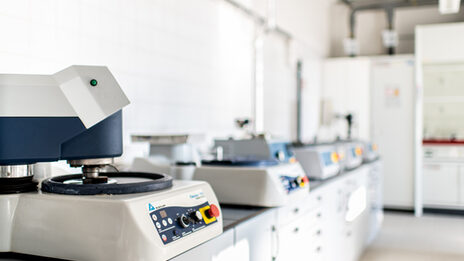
(338, 219)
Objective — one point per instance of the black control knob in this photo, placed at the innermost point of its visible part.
(196, 216)
(184, 221)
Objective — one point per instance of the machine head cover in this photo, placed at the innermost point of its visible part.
(92, 92)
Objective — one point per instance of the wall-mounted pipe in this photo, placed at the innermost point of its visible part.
(299, 93)
(390, 14)
(260, 20)
(389, 8)
(263, 26)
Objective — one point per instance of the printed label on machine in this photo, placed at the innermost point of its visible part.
(187, 214)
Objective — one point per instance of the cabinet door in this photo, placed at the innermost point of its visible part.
(461, 185)
(294, 241)
(333, 220)
(440, 184)
(220, 248)
(255, 238)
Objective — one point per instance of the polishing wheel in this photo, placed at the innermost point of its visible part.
(117, 183)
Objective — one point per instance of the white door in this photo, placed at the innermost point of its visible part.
(392, 123)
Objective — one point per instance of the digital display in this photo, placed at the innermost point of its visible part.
(163, 214)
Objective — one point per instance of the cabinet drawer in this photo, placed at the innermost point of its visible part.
(294, 210)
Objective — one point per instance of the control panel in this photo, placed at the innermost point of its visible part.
(329, 158)
(292, 183)
(320, 161)
(353, 152)
(280, 151)
(356, 151)
(173, 223)
(182, 215)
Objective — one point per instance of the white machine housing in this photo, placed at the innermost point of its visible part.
(319, 162)
(175, 155)
(105, 227)
(255, 186)
(63, 94)
(259, 147)
(153, 164)
(370, 152)
(350, 154)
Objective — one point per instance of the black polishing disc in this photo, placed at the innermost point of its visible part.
(241, 162)
(17, 185)
(137, 182)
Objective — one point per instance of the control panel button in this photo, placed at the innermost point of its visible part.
(334, 157)
(170, 221)
(164, 222)
(175, 232)
(184, 221)
(158, 225)
(213, 211)
(196, 216)
(306, 179)
(155, 218)
(280, 155)
(164, 237)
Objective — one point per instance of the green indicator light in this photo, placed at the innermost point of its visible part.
(93, 82)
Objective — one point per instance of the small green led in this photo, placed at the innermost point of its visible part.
(93, 82)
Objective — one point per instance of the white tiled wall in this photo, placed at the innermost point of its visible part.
(308, 22)
(186, 65)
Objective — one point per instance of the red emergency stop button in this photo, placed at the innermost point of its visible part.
(305, 179)
(213, 211)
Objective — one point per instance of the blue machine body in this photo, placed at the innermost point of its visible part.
(28, 140)
(280, 147)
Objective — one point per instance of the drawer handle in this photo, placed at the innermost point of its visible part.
(296, 210)
(296, 230)
(318, 249)
(319, 215)
(319, 232)
(319, 198)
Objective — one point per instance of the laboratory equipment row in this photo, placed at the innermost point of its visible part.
(337, 220)
(274, 199)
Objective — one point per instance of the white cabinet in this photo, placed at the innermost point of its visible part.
(441, 184)
(332, 223)
(392, 123)
(461, 185)
(298, 239)
(375, 199)
(356, 215)
(221, 248)
(346, 224)
(443, 176)
(300, 229)
(257, 237)
(380, 92)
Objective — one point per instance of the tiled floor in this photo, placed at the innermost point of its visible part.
(429, 238)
